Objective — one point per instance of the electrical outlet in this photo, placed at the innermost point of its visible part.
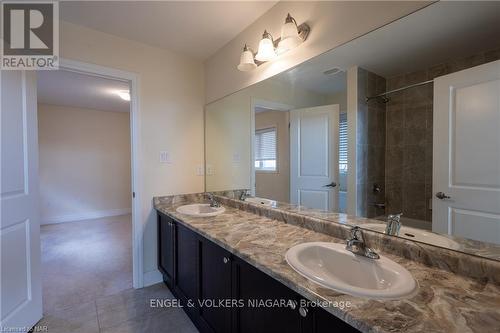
(164, 157)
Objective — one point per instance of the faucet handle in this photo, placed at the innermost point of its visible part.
(356, 233)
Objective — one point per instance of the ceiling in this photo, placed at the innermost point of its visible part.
(79, 90)
(430, 36)
(193, 28)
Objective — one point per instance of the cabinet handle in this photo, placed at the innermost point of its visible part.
(303, 312)
(293, 305)
(225, 260)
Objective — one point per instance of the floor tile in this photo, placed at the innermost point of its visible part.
(171, 320)
(80, 318)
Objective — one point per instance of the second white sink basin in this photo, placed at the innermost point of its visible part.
(201, 210)
(332, 266)
(420, 235)
(260, 201)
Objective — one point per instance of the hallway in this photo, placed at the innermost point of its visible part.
(84, 260)
(87, 281)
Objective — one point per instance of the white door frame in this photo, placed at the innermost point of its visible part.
(133, 80)
(263, 104)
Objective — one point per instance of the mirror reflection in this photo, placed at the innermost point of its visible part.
(400, 126)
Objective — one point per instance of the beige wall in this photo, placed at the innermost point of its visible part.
(332, 24)
(84, 162)
(228, 130)
(339, 98)
(275, 185)
(171, 99)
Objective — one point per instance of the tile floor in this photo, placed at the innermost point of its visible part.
(87, 282)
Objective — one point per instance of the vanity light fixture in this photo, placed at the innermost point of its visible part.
(269, 48)
(266, 48)
(289, 35)
(246, 60)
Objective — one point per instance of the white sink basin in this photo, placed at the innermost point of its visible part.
(419, 235)
(260, 201)
(201, 210)
(332, 266)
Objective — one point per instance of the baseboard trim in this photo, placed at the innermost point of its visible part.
(152, 277)
(85, 216)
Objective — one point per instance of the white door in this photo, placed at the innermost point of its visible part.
(21, 290)
(314, 158)
(467, 153)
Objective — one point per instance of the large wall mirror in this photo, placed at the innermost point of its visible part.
(405, 119)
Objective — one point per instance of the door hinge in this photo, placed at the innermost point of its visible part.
(133, 195)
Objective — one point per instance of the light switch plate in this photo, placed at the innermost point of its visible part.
(164, 157)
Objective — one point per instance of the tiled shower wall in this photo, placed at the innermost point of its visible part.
(408, 160)
(370, 145)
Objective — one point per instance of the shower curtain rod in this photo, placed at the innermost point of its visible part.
(399, 89)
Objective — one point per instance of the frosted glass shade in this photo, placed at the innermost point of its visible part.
(266, 50)
(289, 37)
(246, 61)
(289, 30)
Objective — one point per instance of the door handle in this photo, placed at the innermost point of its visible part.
(442, 196)
(332, 184)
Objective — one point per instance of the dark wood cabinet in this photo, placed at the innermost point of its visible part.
(269, 305)
(166, 248)
(324, 322)
(222, 293)
(186, 264)
(215, 287)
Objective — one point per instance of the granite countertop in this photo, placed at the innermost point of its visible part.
(444, 302)
(469, 246)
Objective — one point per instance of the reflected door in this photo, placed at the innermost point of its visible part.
(21, 287)
(314, 136)
(466, 157)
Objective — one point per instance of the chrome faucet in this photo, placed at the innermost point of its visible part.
(393, 224)
(356, 244)
(244, 194)
(213, 203)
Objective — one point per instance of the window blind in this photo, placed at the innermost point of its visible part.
(265, 149)
(343, 142)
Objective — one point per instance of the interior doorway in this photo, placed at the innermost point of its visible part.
(297, 155)
(85, 191)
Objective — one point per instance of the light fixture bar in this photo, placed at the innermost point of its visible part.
(270, 48)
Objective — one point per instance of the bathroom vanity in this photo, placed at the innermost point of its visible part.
(199, 270)
(241, 255)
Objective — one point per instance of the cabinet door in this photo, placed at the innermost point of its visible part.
(215, 286)
(186, 281)
(166, 246)
(250, 285)
(325, 322)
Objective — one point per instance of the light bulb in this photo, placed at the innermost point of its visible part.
(289, 35)
(124, 94)
(246, 60)
(266, 48)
